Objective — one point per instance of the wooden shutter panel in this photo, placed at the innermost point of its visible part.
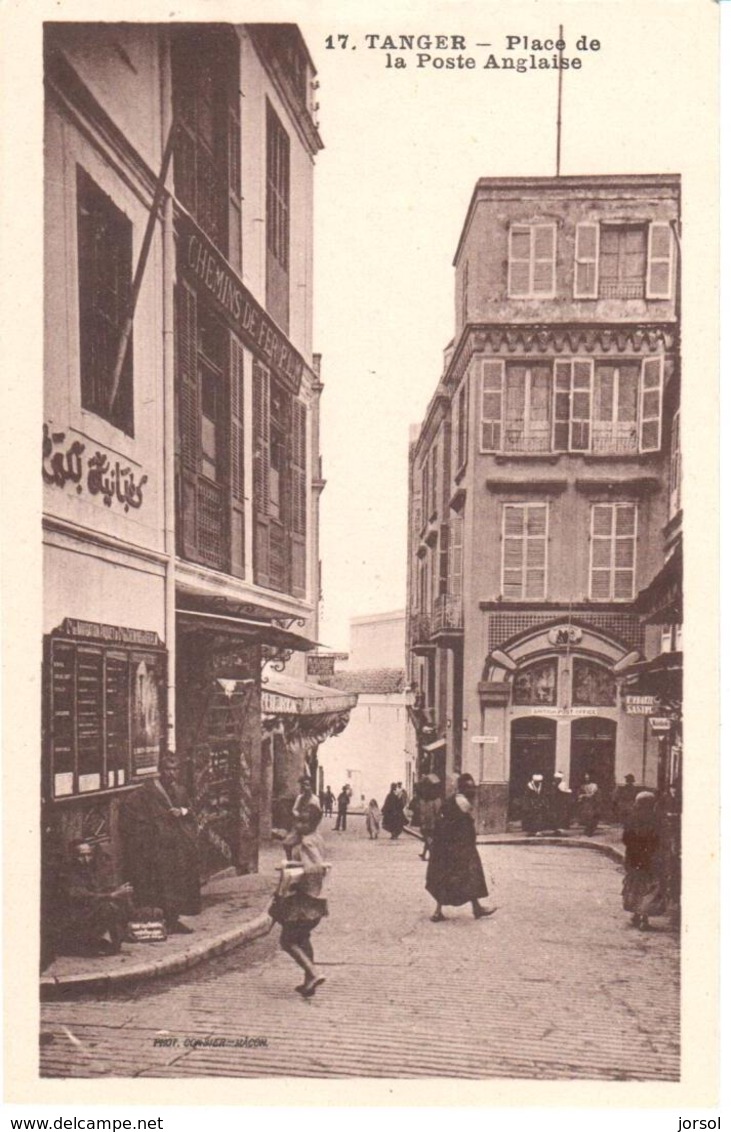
(236, 454)
(188, 424)
(298, 498)
(659, 262)
(544, 259)
(651, 404)
(261, 473)
(586, 261)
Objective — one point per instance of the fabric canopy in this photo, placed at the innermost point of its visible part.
(283, 695)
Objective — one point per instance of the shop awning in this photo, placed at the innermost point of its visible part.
(262, 632)
(283, 695)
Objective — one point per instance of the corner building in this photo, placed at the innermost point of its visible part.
(181, 464)
(540, 486)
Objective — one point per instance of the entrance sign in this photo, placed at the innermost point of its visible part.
(566, 713)
(660, 723)
(484, 739)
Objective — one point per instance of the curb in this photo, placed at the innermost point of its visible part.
(577, 843)
(53, 986)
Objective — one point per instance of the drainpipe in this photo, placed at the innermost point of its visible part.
(168, 370)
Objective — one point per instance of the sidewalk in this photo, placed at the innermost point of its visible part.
(235, 912)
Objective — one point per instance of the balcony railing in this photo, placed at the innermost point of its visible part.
(621, 290)
(616, 440)
(522, 437)
(420, 628)
(447, 613)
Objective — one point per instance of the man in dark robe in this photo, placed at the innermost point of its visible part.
(454, 874)
(534, 806)
(92, 918)
(161, 847)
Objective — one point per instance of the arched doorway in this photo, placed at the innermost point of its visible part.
(532, 751)
(593, 752)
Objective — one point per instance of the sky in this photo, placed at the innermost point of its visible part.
(403, 150)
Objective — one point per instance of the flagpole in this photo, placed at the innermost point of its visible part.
(560, 96)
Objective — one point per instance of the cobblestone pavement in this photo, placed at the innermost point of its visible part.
(555, 985)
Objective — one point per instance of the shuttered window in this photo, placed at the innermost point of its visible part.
(525, 550)
(675, 467)
(277, 218)
(205, 73)
(613, 551)
(660, 262)
(104, 236)
(586, 261)
(651, 405)
(492, 406)
(532, 261)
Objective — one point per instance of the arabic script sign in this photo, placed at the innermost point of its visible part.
(62, 463)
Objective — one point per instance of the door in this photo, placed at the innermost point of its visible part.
(593, 751)
(532, 751)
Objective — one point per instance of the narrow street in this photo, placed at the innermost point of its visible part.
(555, 985)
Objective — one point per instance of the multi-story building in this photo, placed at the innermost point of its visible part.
(181, 459)
(544, 483)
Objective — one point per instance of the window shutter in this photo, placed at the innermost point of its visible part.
(236, 454)
(298, 491)
(261, 473)
(659, 262)
(492, 405)
(581, 384)
(586, 261)
(651, 405)
(544, 259)
(561, 405)
(519, 261)
(189, 418)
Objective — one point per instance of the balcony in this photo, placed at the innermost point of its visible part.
(447, 618)
(621, 290)
(522, 437)
(421, 642)
(614, 440)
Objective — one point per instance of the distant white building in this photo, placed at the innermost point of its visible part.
(376, 750)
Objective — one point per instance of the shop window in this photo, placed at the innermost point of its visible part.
(277, 218)
(105, 281)
(613, 551)
(105, 711)
(525, 548)
(593, 685)
(532, 261)
(205, 68)
(536, 684)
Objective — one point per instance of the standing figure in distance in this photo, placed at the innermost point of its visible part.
(534, 806)
(393, 812)
(623, 799)
(587, 804)
(328, 801)
(454, 874)
(342, 818)
(373, 819)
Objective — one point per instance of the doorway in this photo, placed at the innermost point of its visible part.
(532, 751)
(593, 752)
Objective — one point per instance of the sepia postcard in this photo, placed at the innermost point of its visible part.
(360, 542)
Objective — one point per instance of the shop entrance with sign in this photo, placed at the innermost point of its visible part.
(532, 751)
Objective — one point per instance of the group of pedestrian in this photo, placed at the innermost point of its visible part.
(547, 805)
